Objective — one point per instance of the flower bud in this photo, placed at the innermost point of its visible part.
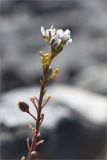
(34, 131)
(24, 107)
(23, 158)
(45, 59)
(33, 154)
(40, 142)
(56, 72)
(32, 98)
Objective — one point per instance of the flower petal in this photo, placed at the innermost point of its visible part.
(60, 33)
(43, 31)
(47, 33)
(69, 41)
(67, 32)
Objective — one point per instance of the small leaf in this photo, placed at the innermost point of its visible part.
(40, 142)
(42, 116)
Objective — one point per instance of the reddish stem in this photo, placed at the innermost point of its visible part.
(38, 119)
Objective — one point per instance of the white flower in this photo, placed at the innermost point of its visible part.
(43, 31)
(56, 36)
(48, 32)
(59, 33)
(66, 35)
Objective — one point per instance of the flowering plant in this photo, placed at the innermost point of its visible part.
(57, 39)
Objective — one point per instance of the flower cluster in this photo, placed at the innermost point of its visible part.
(57, 39)
(56, 36)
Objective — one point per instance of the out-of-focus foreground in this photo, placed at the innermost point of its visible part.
(75, 119)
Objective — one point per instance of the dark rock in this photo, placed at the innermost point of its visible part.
(74, 126)
(69, 139)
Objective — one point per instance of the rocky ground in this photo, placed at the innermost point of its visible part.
(76, 126)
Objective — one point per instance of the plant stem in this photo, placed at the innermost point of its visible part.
(32, 116)
(39, 111)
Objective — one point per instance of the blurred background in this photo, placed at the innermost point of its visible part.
(75, 119)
